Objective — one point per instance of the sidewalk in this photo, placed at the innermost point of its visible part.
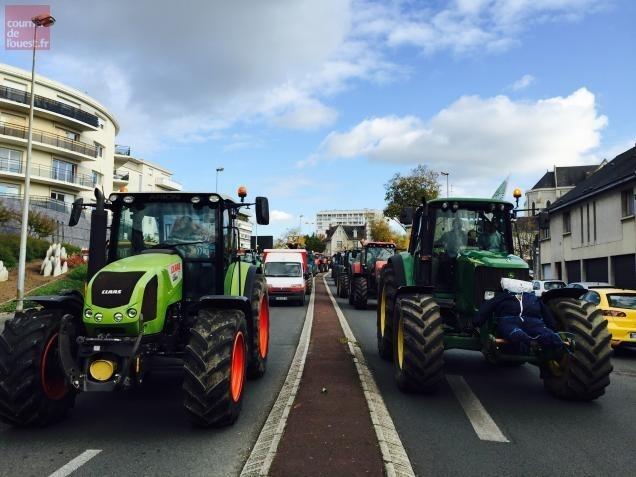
(329, 431)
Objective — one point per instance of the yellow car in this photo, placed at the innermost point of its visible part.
(619, 307)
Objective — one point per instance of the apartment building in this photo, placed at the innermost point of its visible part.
(329, 218)
(73, 140)
(133, 174)
(591, 235)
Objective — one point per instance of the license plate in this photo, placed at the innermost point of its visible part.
(281, 298)
(632, 336)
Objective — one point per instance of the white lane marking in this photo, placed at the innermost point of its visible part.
(481, 421)
(396, 460)
(76, 463)
(263, 453)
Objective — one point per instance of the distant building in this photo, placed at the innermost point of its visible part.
(329, 218)
(343, 237)
(245, 231)
(555, 184)
(592, 231)
(132, 174)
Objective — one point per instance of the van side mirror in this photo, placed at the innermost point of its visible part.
(406, 216)
(262, 211)
(76, 212)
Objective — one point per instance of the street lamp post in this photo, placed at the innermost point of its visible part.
(300, 224)
(38, 21)
(216, 186)
(446, 174)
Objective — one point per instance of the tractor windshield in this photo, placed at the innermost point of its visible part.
(378, 253)
(187, 227)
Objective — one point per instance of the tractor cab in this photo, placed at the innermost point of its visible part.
(373, 252)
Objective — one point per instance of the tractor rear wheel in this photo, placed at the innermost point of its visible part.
(386, 302)
(359, 293)
(418, 343)
(33, 388)
(584, 373)
(259, 342)
(215, 367)
(310, 285)
(343, 285)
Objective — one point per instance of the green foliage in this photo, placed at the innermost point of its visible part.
(7, 257)
(6, 214)
(40, 225)
(381, 232)
(315, 243)
(36, 248)
(78, 273)
(408, 190)
(71, 249)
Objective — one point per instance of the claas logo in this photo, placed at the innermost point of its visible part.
(175, 268)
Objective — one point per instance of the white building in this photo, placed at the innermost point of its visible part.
(245, 231)
(329, 218)
(133, 174)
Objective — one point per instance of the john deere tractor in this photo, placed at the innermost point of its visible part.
(459, 251)
(365, 272)
(164, 280)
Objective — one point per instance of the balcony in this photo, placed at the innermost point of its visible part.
(56, 142)
(120, 179)
(79, 178)
(122, 150)
(59, 110)
(39, 201)
(168, 184)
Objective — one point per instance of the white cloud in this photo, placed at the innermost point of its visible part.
(280, 216)
(477, 136)
(308, 114)
(522, 83)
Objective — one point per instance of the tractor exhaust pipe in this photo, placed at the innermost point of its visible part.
(97, 243)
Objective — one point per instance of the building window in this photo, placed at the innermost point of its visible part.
(582, 238)
(567, 223)
(100, 122)
(587, 215)
(10, 160)
(72, 135)
(594, 218)
(97, 178)
(62, 197)
(9, 189)
(100, 149)
(63, 171)
(545, 234)
(627, 202)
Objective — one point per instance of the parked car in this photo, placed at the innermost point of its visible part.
(619, 308)
(286, 273)
(588, 285)
(541, 286)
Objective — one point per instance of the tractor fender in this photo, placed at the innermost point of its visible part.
(414, 290)
(356, 268)
(562, 293)
(224, 302)
(397, 264)
(250, 278)
(67, 299)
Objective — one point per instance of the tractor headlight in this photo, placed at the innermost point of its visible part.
(118, 316)
(88, 313)
(214, 198)
(489, 295)
(196, 199)
(129, 199)
(98, 317)
(131, 312)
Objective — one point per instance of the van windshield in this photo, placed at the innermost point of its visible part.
(283, 269)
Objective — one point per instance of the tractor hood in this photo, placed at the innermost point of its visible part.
(493, 259)
(133, 292)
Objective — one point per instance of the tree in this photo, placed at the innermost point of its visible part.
(381, 232)
(524, 232)
(408, 190)
(315, 243)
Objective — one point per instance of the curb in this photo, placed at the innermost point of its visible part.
(262, 455)
(396, 460)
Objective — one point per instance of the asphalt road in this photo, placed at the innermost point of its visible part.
(145, 432)
(546, 436)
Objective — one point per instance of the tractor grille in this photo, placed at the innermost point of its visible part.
(114, 289)
(487, 278)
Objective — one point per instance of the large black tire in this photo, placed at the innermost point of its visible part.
(386, 302)
(259, 339)
(343, 285)
(214, 348)
(585, 373)
(418, 343)
(33, 388)
(359, 293)
(310, 286)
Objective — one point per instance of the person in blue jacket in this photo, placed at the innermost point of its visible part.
(521, 316)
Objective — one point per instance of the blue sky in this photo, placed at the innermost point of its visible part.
(316, 104)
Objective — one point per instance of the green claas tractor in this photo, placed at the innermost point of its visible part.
(430, 294)
(164, 280)
(365, 272)
(344, 270)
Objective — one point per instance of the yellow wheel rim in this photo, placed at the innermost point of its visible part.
(400, 342)
(383, 311)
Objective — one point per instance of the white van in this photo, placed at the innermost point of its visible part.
(284, 272)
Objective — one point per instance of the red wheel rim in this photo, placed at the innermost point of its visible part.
(263, 327)
(51, 375)
(237, 369)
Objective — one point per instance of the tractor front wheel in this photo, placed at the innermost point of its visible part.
(33, 388)
(584, 373)
(386, 302)
(359, 293)
(215, 367)
(259, 340)
(418, 344)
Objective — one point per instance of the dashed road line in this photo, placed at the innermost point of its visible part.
(263, 453)
(76, 463)
(396, 460)
(484, 425)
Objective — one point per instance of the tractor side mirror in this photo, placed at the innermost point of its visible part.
(76, 212)
(544, 220)
(262, 211)
(406, 216)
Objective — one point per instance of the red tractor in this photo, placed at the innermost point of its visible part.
(365, 272)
